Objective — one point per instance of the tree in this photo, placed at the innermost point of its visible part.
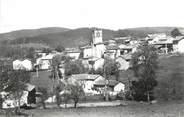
(17, 84)
(3, 80)
(76, 92)
(59, 48)
(110, 68)
(56, 74)
(175, 32)
(47, 50)
(74, 67)
(144, 64)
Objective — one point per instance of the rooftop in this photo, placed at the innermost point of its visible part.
(85, 76)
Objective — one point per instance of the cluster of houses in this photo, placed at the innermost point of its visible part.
(93, 56)
(165, 43)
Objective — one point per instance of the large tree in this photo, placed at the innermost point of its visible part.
(110, 68)
(16, 84)
(175, 32)
(144, 64)
(74, 67)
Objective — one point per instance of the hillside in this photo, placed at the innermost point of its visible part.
(143, 31)
(71, 38)
(76, 37)
(30, 33)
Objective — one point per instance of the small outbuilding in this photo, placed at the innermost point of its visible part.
(119, 87)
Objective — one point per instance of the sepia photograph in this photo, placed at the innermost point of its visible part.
(91, 58)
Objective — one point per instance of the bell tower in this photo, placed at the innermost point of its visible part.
(97, 36)
(98, 47)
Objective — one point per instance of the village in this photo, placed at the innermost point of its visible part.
(92, 58)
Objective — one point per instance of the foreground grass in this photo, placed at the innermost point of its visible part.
(133, 109)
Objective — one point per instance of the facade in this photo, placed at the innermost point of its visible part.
(112, 51)
(123, 63)
(119, 87)
(44, 62)
(73, 53)
(125, 49)
(181, 46)
(25, 64)
(87, 81)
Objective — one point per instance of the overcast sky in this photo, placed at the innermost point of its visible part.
(112, 14)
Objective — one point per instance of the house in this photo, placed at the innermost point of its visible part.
(178, 44)
(44, 62)
(25, 64)
(96, 63)
(17, 64)
(87, 51)
(123, 62)
(181, 46)
(125, 49)
(119, 87)
(112, 51)
(73, 52)
(153, 38)
(93, 63)
(104, 82)
(86, 80)
(161, 39)
(123, 40)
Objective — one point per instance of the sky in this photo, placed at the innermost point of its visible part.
(110, 14)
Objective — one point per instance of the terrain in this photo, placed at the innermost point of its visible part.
(75, 37)
(133, 109)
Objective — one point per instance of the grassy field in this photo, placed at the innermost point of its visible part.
(169, 67)
(133, 109)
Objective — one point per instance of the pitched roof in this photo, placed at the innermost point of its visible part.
(103, 82)
(72, 50)
(177, 38)
(112, 47)
(123, 46)
(29, 87)
(85, 76)
(86, 47)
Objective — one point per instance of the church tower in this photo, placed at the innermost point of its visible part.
(97, 36)
(98, 46)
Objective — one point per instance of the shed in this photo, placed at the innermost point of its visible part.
(119, 87)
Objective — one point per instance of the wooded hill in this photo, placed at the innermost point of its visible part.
(73, 37)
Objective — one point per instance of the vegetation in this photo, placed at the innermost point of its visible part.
(170, 78)
(175, 32)
(59, 48)
(44, 95)
(15, 84)
(76, 92)
(74, 67)
(110, 68)
(144, 65)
